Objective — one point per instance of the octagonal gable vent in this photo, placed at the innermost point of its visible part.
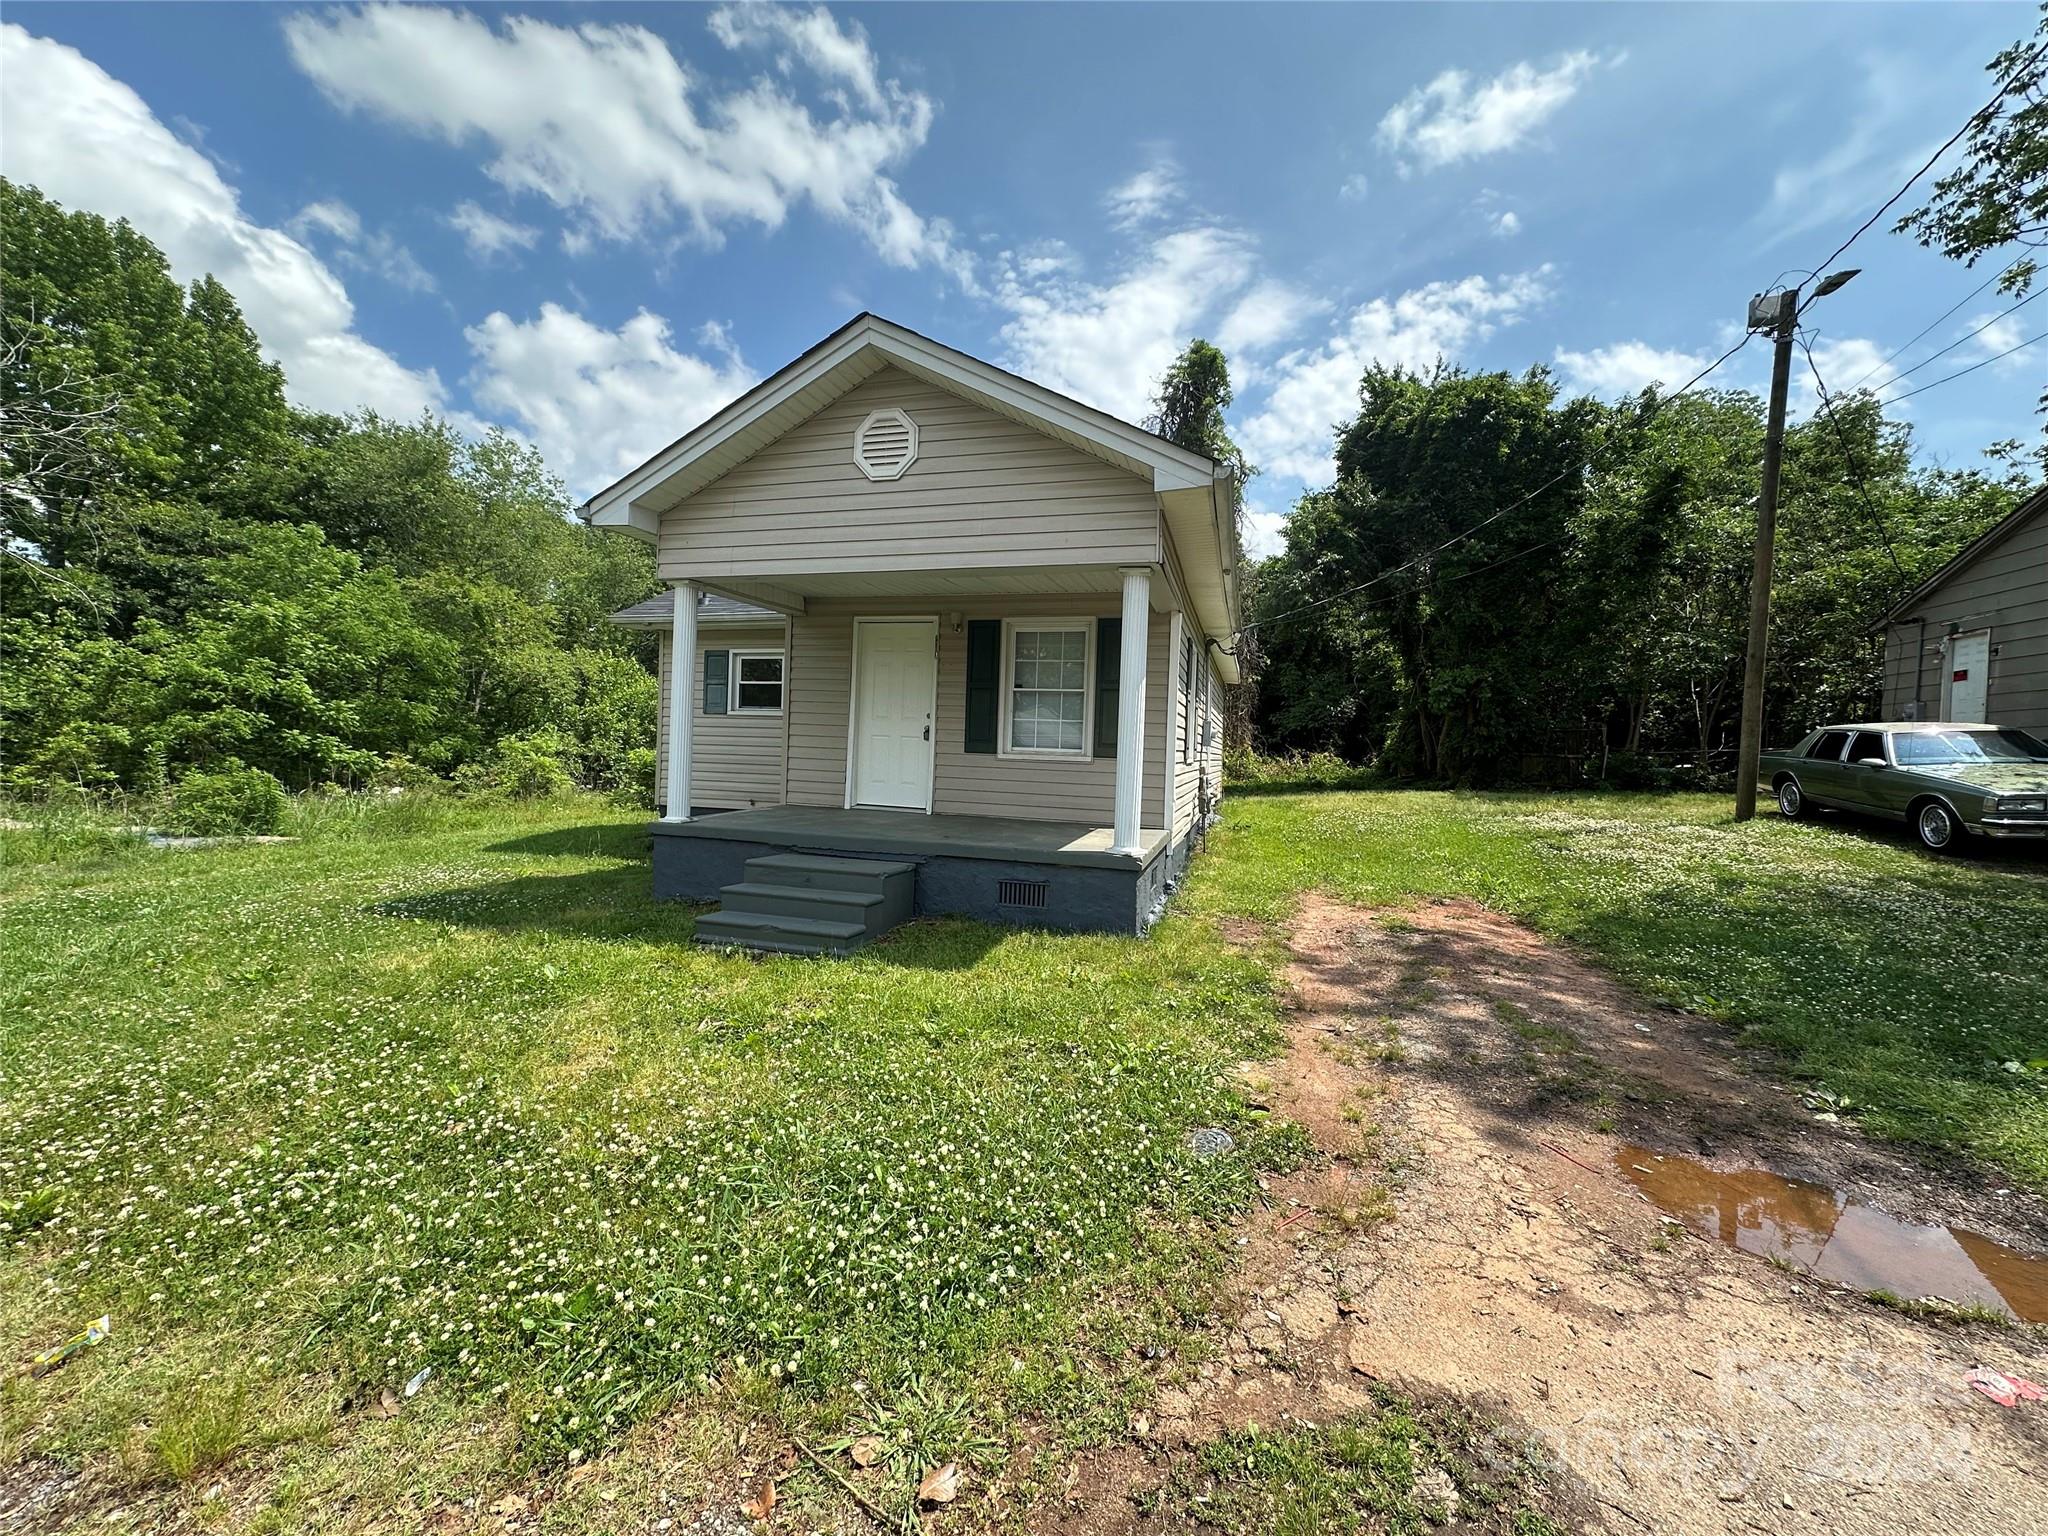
(885, 444)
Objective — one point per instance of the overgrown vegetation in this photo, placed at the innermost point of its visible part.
(202, 587)
(1592, 627)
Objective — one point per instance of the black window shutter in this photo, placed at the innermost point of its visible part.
(1109, 660)
(984, 682)
(717, 681)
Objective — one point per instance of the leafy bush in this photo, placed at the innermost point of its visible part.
(1324, 770)
(226, 802)
(529, 766)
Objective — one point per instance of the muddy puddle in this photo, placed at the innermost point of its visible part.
(1814, 1228)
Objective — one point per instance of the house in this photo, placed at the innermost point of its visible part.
(951, 642)
(1971, 642)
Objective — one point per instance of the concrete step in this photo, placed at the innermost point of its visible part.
(823, 872)
(784, 935)
(863, 907)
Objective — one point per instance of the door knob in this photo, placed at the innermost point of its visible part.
(927, 733)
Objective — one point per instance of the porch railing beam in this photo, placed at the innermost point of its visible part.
(1130, 718)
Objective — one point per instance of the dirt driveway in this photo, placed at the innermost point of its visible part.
(1487, 1106)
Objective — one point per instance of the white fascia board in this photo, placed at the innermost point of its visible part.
(626, 518)
(720, 428)
(763, 595)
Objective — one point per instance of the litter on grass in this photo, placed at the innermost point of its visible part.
(1210, 1140)
(54, 1359)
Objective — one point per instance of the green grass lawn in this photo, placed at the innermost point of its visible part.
(440, 1089)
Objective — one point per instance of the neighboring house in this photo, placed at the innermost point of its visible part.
(939, 616)
(1971, 642)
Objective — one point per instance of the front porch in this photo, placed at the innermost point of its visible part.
(1054, 874)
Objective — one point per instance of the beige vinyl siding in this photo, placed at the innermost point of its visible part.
(2004, 590)
(735, 759)
(963, 783)
(1207, 757)
(984, 492)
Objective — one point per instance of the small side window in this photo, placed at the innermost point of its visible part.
(1868, 744)
(1829, 747)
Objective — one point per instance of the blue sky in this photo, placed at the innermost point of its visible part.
(595, 224)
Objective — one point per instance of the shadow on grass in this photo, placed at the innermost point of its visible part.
(2020, 856)
(609, 905)
(1313, 786)
(615, 906)
(599, 840)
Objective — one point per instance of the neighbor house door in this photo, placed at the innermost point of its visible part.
(1969, 676)
(895, 691)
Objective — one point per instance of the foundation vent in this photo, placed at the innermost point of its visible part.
(1021, 893)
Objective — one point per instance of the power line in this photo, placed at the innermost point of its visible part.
(1930, 325)
(1948, 378)
(1930, 357)
(1491, 518)
(1849, 456)
(1968, 123)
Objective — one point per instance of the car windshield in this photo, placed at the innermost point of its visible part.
(2004, 746)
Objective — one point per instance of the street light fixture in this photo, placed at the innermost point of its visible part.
(1778, 315)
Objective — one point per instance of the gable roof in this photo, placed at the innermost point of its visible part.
(2028, 509)
(1198, 497)
(863, 346)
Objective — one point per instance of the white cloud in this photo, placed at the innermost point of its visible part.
(1354, 187)
(1456, 118)
(489, 235)
(1145, 196)
(1109, 343)
(1506, 223)
(1626, 368)
(90, 142)
(1269, 313)
(334, 217)
(1316, 388)
(1850, 364)
(377, 251)
(604, 122)
(596, 402)
(2000, 332)
(1265, 531)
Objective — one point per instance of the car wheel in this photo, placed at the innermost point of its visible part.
(1791, 800)
(1936, 826)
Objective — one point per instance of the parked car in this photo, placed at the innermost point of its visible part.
(1946, 781)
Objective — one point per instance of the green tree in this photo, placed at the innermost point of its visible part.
(1998, 196)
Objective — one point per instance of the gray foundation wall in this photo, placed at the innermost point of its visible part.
(1078, 899)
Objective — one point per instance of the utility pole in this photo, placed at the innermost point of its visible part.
(1777, 315)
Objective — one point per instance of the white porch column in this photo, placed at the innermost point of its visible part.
(682, 674)
(1130, 712)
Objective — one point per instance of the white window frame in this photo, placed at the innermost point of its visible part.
(1086, 750)
(1184, 663)
(732, 684)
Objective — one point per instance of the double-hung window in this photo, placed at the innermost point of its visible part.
(1189, 709)
(757, 682)
(1045, 698)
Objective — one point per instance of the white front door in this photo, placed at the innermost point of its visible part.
(1969, 676)
(895, 689)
